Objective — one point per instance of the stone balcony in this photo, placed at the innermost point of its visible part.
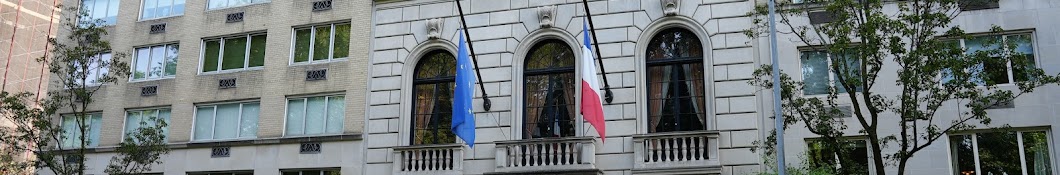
(429, 159)
(693, 150)
(572, 155)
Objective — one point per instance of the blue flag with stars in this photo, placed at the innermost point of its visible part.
(463, 119)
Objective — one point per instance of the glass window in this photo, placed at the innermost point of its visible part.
(226, 121)
(817, 74)
(312, 172)
(549, 91)
(136, 119)
(321, 43)
(433, 99)
(315, 115)
(852, 157)
(72, 135)
(220, 4)
(230, 53)
(155, 62)
(104, 10)
(94, 71)
(229, 173)
(1001, 72)
(153, 9)
(676, 82)
(1013, 152)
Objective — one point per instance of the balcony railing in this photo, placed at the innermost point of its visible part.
(553, 154)
(676, 149)
(429, 159)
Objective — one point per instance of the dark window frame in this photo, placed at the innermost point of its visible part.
(568, 124)
(693, 62)
(439, 82)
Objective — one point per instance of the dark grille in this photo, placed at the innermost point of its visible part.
(323, 5)
(969, 5)
(158, 28)
(149, 90)
(309, 148)
(821, 17)
(221, 152)
(312, 75)
(234, 17)
(226, 83)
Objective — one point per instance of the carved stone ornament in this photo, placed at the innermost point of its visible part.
(434, 28)
(670, 7)
(546, 15)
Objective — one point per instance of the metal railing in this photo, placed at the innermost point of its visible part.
(546, 154)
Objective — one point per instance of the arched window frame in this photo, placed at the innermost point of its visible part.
(436, 81)
(518, 79)
(646, 36)
(408, 69)
(568, 107)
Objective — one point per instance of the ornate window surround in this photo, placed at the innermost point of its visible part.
(646, 36)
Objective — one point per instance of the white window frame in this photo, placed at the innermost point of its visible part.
(305, 110)
(312, 44)
(98, 71)
(1019, 139)
(81, 4)
(871, 168)
(1008, 64)
(88, 122)
(239, 121)
(831, 75)
(125, 121)
(136, 55)
(144, 3)
(231, 6)
(221, 51)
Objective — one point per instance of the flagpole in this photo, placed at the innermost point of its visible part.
(778, 116)
(600, 59)
(485, 98)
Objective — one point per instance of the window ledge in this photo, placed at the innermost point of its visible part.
(336, 60)
(230, 7)
(233, 71)
(160, 18)
(150, 80)
(244, 142)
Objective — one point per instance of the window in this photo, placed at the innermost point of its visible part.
(676, 82)
(233, 53)
(94, 71)
(104, 10)
(220, 4)
(433, 99)
(969, 5)
(153, 9)
(315, 115)
(72, 135)
(312, 172)
(549, 91)
(1000, 72)
(853, 157)
(1013, 152)
(817, 71)
(136, 119)
(155, 62)
(321, 43)
(226, 121)
(225, 173)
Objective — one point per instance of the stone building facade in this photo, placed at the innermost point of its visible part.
(510, 38)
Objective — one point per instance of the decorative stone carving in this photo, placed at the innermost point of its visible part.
(670, 7)
(546, 16)
(434, 28)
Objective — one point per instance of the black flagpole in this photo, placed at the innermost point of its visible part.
(600, 59)
(485, 98)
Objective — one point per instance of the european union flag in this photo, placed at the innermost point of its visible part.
(463, 120)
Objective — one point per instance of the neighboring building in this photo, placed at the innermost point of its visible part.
(262, 87)
(678, 71)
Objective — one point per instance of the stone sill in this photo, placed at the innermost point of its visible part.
(237, 143)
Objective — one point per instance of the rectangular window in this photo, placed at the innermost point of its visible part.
(72, 135)
(136, 119)
(315, 115)
(153, 9)
(817, 72)
(104, 10)
(233, 53)
(155, 62)
(94, 72)
(312, 172)
(220, 4)
(225, 173)
(852, 158)
(1005, 72)
(1013, 152)
(226, 121)
(321, 43)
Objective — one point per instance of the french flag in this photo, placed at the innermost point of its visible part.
(592, 108)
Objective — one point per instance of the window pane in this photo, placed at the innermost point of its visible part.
(227, 122)
(314, 117)
(257, 51)
(853, 70)
(336, 114)
(95, 125)
(985, 45)
(70, 132)
(204, 123)
(342, 41)
(148, 10)
(171, 60)
(1036, 153)
(213, 50)
(132, 122)
(112, 11)
(963, 154)
(301, 44)
(291, 173)
(143, 59)
(163, 9)
(676, 102)
(216, 4)
(99, 9)
(234, 54)
(1024, 63)
(178, 7)
(815, 72)
(103, 70)
(249, 121)
(322, 42)
(999, 153)
(164, 115)
(432, 117)
(549, 106)
(158, 58)
(295, 116)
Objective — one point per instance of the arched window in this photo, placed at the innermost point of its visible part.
(549, 91)
(676, 100)
(432, 112)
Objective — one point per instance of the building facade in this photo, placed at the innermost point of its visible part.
(246, 87)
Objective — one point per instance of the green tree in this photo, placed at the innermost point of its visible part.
(914, 42)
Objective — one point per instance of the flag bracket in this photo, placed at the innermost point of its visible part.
(608, 96)
(474, 59)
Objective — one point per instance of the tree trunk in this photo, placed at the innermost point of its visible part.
(877, 157)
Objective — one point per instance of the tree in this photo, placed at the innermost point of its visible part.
(81, 63)
(915, 42)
